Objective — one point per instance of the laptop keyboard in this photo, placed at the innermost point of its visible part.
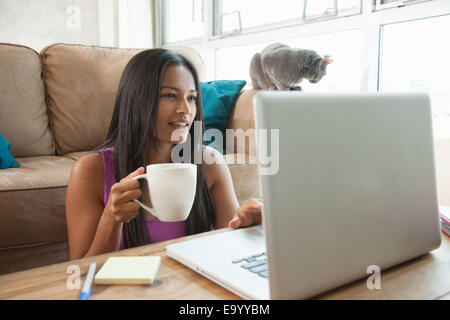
(254, 263)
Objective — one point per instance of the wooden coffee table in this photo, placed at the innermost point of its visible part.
(426, 277)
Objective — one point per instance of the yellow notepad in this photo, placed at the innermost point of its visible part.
(128, 270)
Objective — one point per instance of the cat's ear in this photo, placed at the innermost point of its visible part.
(327, 61)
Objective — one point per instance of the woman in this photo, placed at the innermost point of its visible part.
(158, 93)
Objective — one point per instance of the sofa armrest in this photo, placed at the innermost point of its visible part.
(242, 118)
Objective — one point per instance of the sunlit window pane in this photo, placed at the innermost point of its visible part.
(254, 13)
(258, 12)
(344, 74)
(324, 8)
(345, 48)
(233, 63)
(415, 58)
(183, 20)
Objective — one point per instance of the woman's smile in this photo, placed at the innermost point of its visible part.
(180, 124)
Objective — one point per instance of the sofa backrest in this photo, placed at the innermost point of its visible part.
(81, 84)
(23, 111)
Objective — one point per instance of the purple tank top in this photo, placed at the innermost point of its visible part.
(158, 230)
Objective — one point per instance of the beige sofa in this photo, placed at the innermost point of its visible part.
(55, 107)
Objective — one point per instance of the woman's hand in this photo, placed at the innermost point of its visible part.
(248, 214)
(121, 206)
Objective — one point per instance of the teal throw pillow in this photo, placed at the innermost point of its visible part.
(218, 99)
(6, 157)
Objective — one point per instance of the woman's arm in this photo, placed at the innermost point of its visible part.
(228, 211)
(93, 228)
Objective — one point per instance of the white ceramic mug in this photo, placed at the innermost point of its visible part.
(172, 189)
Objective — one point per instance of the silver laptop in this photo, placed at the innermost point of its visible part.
(354, 187)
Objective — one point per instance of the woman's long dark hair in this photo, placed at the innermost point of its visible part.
(132, 133)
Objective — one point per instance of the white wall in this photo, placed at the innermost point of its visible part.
(38, 23)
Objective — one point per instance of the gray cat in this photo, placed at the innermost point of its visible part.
(280, 67)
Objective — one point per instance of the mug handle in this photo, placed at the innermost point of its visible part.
(151, 210)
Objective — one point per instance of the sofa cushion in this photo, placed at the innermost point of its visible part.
(36, 173)
(23, 111)
(77, 155)
(31, 216)
(32, 201)
(81, 84)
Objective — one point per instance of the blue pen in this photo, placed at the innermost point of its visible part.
(87, 290)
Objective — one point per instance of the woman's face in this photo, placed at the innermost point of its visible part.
(177, 108)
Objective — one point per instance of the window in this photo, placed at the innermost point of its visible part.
(229, 32)
(419, 62)
(183, 20)
(324, 8)
(256, 12)
(344, 74)
(402, 48)
(233, 16)
(345, 48)
(241, 56)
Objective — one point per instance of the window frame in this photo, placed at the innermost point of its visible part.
(370, 21)
(398, 3)
(301, 20)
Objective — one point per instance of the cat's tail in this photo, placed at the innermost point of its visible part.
(256, 71)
